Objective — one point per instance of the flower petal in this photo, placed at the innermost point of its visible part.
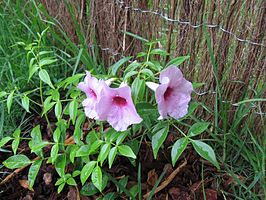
(159, 95)
(173, 94)
(116, 106)
(89, 107)
(153, 86)
(173, 73)
(92, 88)
(121, 118)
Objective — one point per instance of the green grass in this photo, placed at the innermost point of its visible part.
(241, 138)
(21, 22)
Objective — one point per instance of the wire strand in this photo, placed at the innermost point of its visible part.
(165, 17)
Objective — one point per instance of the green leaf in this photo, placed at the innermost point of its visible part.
(158, 139)
(15, 145)
(104, 153)
(37, 147)
(60, 164)
(111, 135)
(47, 104)
(72, 79)
(2, 94)
(159, 52)
(95, 146)
(198, 128)
(46, 61)
(45, 52)
(134, 190)
(96, 178)
(76, 173)
(55, 95)
(148, 73)
(192, 107)
(56, 135)
(4, 141)
(250, 100)
(118, 64)
(73, 151)
(84, 150)
(33, 68)
(54, 152)
(91, 137)
(71, 181)
(33, 172)
(138, 89)
(25, 101)
(81, 119)
(177, 61)
(197, 85)
(205, 151)
(109, 196)
(36, 139)
(86, 171)
(77, 135)
(125, 150)
(73, 110)
(61, 187)
(178, 148)
(129, 74)
(119, 185)
(78, 131)
(44, 76)
(59, 181)
(121, 137)
(9, 101)
(58, 110)
(111, 156)
(17, 161)
(88, 190)
(135, 36)
(132, 66)
(151, 65)
(123, 181)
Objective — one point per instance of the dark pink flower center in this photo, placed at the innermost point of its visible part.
(168, 93)
(92, 93)
(119, 101)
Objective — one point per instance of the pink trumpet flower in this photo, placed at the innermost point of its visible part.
(173, 94)
(92, 88)
(116, 106)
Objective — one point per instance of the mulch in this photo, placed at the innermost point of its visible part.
(196, 179)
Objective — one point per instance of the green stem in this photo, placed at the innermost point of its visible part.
(172, 123)
(148, 54)
(45, 114)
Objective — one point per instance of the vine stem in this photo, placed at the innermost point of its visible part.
(45, 114)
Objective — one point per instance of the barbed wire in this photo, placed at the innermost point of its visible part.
(199, 93)
(109, 50)
(165, 17)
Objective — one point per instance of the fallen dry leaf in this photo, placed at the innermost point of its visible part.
(47, 177)
(168, 169)
(231, 181)
(152, 177)
(27, 197)
(168, 180)
(211, 194)
(25, 184)
(174, 192)
(196, 186)
(73, 194)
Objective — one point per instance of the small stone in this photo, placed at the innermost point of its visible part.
(47, 177)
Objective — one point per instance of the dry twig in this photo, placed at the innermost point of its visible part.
(168, 180)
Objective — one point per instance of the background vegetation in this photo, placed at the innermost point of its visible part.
(95, 34)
